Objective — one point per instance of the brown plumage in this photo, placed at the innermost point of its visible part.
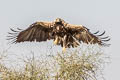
(62, 33)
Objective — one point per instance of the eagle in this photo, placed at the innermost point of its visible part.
(64, 34)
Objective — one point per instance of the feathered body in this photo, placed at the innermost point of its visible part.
(62, 33)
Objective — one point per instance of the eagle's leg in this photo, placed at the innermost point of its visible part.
(75, 42)
(64, 43)
(56, 40)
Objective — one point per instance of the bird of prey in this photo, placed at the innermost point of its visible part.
(64, 34)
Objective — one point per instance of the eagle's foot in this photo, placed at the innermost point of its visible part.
(63, 49)
(56, 41)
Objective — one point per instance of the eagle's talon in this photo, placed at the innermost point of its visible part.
(55, 42)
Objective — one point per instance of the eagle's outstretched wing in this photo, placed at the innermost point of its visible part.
(38, 31)
(81, 33)
(64, 34)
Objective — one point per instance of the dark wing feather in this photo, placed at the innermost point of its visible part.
(39, 31)
(83, 34)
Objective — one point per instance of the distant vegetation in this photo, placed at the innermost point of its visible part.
(72, 65)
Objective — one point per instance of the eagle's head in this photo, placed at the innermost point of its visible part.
(58, 24)
(59, 21)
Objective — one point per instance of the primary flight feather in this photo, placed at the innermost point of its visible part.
(64, 34)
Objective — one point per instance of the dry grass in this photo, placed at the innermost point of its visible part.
(73, 65)
(77, 67)
(31, 70)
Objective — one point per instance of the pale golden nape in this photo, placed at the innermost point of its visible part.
(64, 34)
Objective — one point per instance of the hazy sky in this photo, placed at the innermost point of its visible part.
(94, 14)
